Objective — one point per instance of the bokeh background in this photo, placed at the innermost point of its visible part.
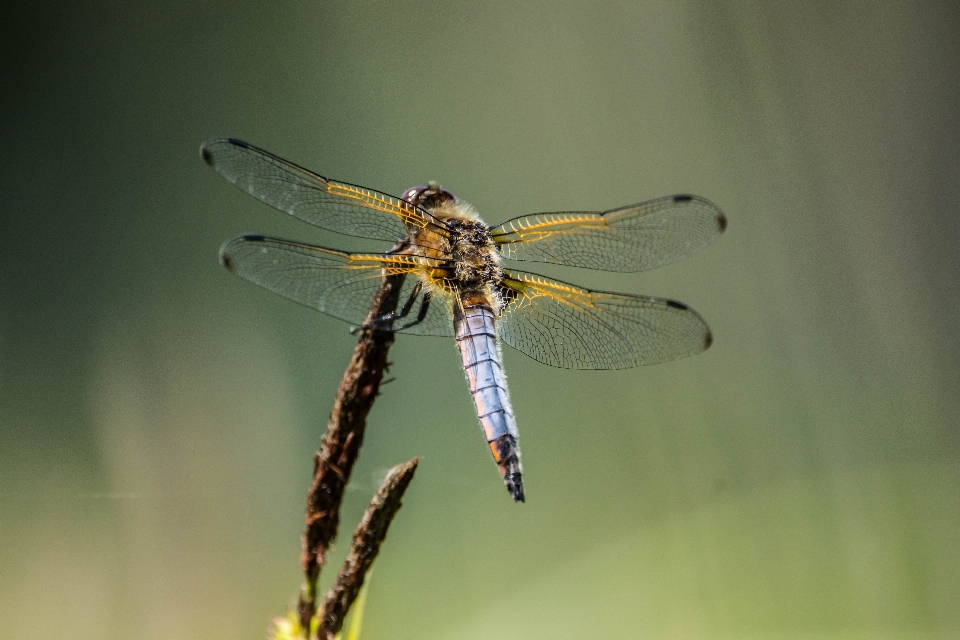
(801, 479)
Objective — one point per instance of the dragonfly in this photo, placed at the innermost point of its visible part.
(454, 282)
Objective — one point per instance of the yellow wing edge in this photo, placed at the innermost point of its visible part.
(393, 264)
(531, 286)
(539, 226)
(378, 202)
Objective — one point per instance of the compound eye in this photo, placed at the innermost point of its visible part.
(428, 197)
(442, 195)
(413, 195)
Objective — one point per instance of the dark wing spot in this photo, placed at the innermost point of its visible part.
(225, 258)
(677, 305)
(707, 340)
(206, 155)
(682, 198)
(722, 222)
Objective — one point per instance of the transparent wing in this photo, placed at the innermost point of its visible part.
(335, 206)
(337, 283)
(566, 326)
(634, 238)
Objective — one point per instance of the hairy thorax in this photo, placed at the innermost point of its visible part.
(472, 259)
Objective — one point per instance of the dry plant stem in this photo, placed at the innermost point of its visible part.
(341, 443)
(367, 539)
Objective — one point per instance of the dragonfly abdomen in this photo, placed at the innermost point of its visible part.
(476, 333)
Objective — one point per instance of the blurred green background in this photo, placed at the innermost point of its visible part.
(801, 479)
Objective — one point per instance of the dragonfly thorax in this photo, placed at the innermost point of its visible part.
(474, 254)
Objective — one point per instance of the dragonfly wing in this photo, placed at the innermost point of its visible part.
(574, 328)
(335, 206)
(634, 238)
(337, 283)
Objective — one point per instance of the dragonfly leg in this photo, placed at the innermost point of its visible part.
(405, 309)
(421, 314)
(385, 322)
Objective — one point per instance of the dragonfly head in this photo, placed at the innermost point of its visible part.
(428, 197)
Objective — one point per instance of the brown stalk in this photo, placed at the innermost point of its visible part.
(341, 443)
(367, 539)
